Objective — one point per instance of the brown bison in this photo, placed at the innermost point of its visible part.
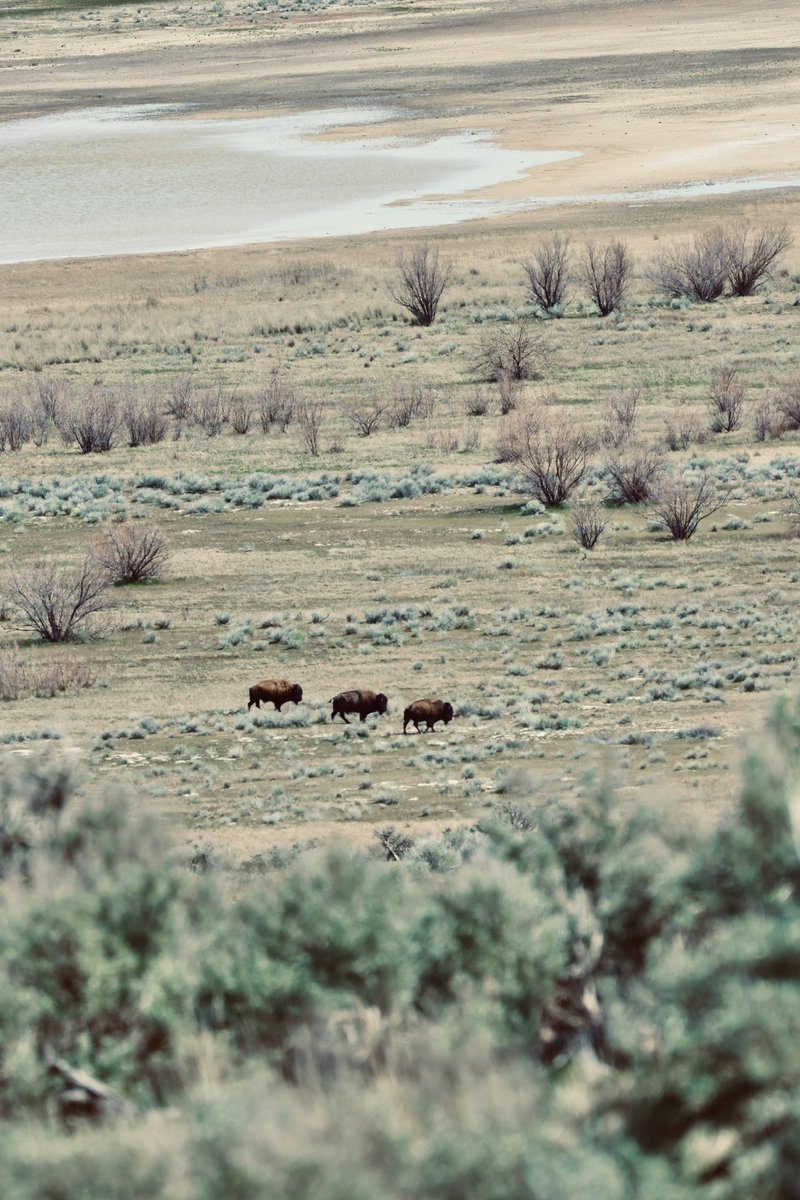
(279, 691)
(429, 711)
(359, 702)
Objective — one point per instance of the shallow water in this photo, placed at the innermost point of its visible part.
(147, 179)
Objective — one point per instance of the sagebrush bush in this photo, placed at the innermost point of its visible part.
(568, 996)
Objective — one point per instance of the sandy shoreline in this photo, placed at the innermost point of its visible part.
(653, 95)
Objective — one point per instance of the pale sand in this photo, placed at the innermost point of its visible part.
(654, 93)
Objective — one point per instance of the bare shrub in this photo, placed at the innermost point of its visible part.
(365, 415)
(44, 403)
(409, 401)
(548, 274)
(509, 391)
(477, 403)
(422, 280)
(551, 451)
(48, 394)
(241, 414)
(181, 399)
(133, 553)
(749, 255)
(787, 402)
(634, 472)
(619, 419)
(310, 416)
(686, 431)
(587, 523)
(93, 421)
(21, 675)
(518, 351)
(212, 410)
(606, 273)
(61, 603)
(15, 426)
(726, 400)
(766, 422)
(792, 511)
(276, 402)
(144, 420)
(681, 503)
(698, 270)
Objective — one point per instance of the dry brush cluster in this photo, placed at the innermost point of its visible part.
(62, 603)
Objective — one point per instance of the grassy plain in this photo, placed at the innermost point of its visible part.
(405, 561)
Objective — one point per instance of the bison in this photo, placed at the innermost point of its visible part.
(279, 691)
(429, 711)
(360, 702)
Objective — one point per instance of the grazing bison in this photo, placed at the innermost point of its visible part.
(359, 702)
(429, 711)
(279, 691)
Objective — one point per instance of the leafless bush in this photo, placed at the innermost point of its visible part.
(61, 603)
(410, 401)
(212, 410)
(241, 414)
(310, 416)
(634, 472)
(133, 553)
(698, 270)
(477, 403)
(144, 420)
(518, 351)
(15, 426)
(181, 399)
(552, 452)
(681, 503)
(619, 420)
(749, 255)
(606, 273)
(509, 390)
(726, 400)
(792, 511)
(48, 394)
(422, 280)
(365, 415)
(276, 402)
(687, 431)
(43, 407)
(20, 675)
(787, 402)
(766, 422)
(548, 274)
(587, 523)
(92, 421)
(471, 440)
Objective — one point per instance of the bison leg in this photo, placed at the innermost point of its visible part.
(336, 714)
(277, 705)
(257, 703)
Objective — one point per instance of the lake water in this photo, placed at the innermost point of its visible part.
(150, 178)
(145, 179)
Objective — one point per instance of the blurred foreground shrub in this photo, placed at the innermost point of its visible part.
(574, 997)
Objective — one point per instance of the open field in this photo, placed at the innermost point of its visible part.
(407, 561)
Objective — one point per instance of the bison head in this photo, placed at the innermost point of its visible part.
(383, 703)
(296, 693)
(447, 713)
